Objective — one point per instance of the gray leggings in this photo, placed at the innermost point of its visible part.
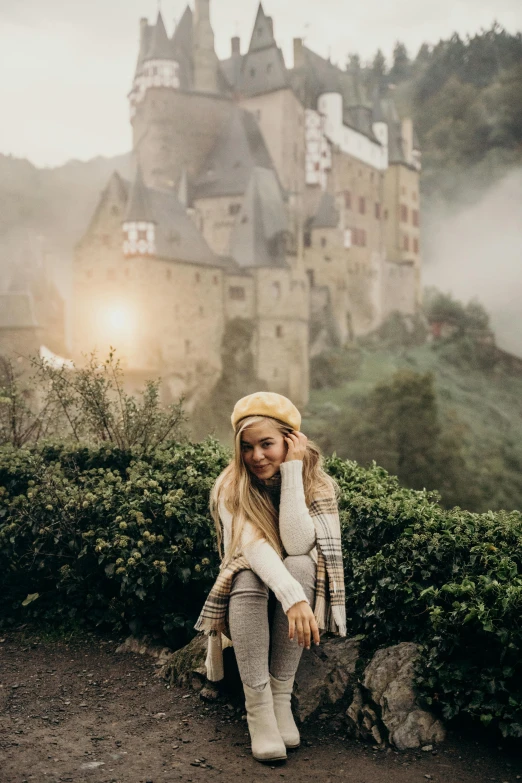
(249, 625)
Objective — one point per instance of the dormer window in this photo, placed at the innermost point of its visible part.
(139, 239)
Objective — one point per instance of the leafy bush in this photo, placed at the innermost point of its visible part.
(450, 580)
(116, 538)
(125, 540)
(334, 367)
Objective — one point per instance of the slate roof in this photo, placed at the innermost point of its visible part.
(318, 76)
(177, 236)
(16, 311)
(138, 205)
(327, 215)
(159, 45)
(239, 148)
(258, 235)
(231, 69)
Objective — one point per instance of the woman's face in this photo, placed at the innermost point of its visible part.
(263, 449)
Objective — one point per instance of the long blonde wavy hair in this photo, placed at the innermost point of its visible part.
(246, 499)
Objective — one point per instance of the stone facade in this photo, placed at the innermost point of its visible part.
(273, 195)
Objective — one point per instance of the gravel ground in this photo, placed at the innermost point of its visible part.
(74, 711)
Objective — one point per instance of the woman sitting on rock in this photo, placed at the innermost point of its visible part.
(276, 517)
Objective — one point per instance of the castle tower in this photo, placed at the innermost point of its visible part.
(156, 66)
(205, 60)
(176, 109)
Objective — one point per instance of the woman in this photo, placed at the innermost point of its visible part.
(276, 518)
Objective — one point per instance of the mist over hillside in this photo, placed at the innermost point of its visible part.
(473, 249)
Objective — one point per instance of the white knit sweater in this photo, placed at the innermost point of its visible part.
(297, 531)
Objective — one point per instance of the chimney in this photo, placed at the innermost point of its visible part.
(407, 137)
(236, 45)
(298, 53)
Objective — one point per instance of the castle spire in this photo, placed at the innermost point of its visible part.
(138, 207)
(263, 32)
(159, 48)
(205, 59)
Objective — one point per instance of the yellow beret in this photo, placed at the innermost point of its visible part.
(267, 404)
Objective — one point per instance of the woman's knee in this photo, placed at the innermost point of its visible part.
(248, 582)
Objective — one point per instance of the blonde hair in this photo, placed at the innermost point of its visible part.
(246, 499)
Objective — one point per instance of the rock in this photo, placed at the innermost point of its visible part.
(325, 675)
(385, 706)
(145, 646)
(187, 665)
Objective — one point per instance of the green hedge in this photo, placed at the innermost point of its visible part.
(124, 541)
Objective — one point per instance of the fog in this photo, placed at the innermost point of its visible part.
(476, 251)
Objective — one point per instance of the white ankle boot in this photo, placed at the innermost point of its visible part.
(282, 695)
(267, 743)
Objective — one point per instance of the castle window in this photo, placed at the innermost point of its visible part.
(252, 72)
(276, 290)
(386, 214)
(198, 277)
(362, 205)
(323, 241)
(269, 68)
(233, 209)
(414, 195)
(404, 213)
(279, 331)
(347, 199)
(406, 242)
(173, 236)
(115, 210)
(237, 293)
(415, 217)
(308, 239)
(311, 277)
(328, 258)
(215, 280)
(187, 347)
(244, 219)
(201, 311)
(168, 274)
(363, 238)
(378, 210)
(415, 245)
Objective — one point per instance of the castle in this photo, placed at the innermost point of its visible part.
(284, 197)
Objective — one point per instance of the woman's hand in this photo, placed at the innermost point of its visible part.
(296, 442)
(302, 619)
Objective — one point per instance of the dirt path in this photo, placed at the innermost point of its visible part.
(75, 712)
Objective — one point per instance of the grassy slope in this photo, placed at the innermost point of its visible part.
(489, 406)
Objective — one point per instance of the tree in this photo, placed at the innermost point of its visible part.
(379, 67)
(401, 68)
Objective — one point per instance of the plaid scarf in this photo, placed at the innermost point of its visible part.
(329, 610)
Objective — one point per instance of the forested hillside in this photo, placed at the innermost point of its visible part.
(465, 98)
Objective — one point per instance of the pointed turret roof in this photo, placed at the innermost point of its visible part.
(263, 32)
(240, 147)
(138, 206)
(159, 47)
(258, 234)
(327, 215)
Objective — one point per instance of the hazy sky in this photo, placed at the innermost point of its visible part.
(67, 66)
